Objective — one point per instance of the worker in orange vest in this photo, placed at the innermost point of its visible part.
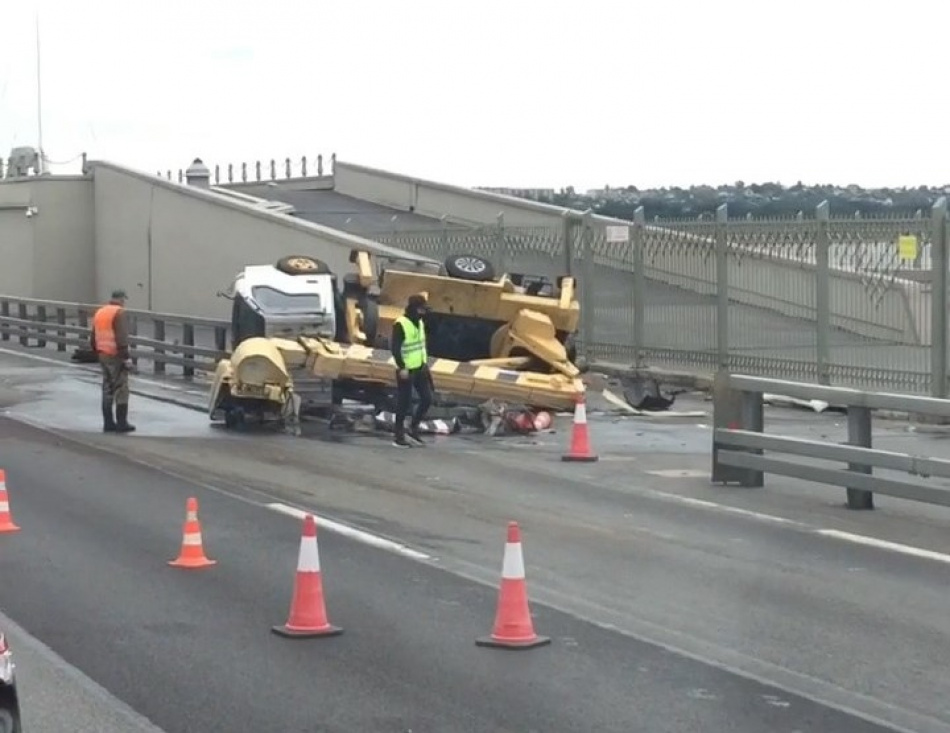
(110, 340)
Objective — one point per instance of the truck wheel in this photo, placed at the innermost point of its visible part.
(302, 265)
(469, 267)
(234, 418)
(369, 307)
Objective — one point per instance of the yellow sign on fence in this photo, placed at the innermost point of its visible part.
(907, 247)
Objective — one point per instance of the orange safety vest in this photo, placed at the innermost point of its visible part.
(104, 331)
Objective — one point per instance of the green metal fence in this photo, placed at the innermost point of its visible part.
(855, 301)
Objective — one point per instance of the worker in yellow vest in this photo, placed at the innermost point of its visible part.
(408, 344)
(110, 340)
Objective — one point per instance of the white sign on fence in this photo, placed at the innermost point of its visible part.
(618, 234)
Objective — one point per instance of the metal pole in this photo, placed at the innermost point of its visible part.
(938, 299)
(501, 244)
(823, 294)
(39, 101)
(722, 286)
(587, 289)
(859, 434)
(639, 284)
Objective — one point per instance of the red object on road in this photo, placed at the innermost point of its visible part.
(308, 612)
(513, 627)
(580, 450)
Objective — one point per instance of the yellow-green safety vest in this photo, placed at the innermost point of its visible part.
(414, 354)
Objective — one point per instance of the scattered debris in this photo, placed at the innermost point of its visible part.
(783, 401)
(645, 395)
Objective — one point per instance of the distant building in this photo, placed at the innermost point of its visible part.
(536, 194)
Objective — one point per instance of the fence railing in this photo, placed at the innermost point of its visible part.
(258, 171)
(739, 442)
(156, 339)
(846, 301)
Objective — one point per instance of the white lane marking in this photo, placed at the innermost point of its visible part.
(860, 539)
(704, 504)
(679, 473)
(359, 535)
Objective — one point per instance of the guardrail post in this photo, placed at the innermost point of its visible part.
(188, 339)
(444, 243)
(735, 410)
(722, 285)
(221, 340)
(24, 329)
(501, 244)
(859, 434)
(41, 318)
(587, 289)
(61, 335)
(938, 299)
(133, 332)
(639, 283)
(158, 333)
(823, 294)
(5, 327)
(567, 242)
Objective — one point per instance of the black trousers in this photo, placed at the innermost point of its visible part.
(419, 380)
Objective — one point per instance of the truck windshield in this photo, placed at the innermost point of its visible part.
(275, 301)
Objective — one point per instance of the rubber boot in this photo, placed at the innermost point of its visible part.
(122, 419)
(108, 422)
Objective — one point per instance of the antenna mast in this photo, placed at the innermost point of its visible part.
(39, 100)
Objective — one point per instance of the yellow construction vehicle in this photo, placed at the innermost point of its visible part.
(473, 314)
(300, 342)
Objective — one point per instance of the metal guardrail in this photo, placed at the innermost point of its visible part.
(192, 344)
(739, 441)
(842, 300)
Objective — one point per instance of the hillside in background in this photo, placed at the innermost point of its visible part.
(758, 199)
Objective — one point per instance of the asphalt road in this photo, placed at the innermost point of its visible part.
(743, 580)
(192, 651)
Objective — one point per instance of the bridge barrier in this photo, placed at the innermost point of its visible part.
(189, 343)
(739, 442)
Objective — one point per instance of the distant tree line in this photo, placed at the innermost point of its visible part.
(760, 200)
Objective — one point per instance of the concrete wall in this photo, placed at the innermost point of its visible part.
(777, 283)
(50, 254)
(173, 246)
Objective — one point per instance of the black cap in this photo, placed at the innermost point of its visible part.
(119, 294)
(418, 301)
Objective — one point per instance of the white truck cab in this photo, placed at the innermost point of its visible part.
(268, 301)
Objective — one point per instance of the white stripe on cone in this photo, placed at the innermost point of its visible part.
(580, 414)
(512, 567)
(308, 561)
(193, 539)
(4, 506)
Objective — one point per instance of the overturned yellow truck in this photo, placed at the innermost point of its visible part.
(302, 342)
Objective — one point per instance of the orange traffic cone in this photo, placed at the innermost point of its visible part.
(580, 450)
(513, 626)
(192, 555)
(308, 611)
(6, 518)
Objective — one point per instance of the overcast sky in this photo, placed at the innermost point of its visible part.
(494, 93)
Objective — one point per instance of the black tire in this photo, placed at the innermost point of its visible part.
(469, 267)
(302, 265)
(369, 306)
(234, 418)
